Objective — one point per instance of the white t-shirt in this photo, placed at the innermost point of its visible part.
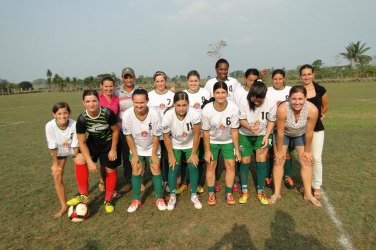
(160, 102)
(278, 96)
(181, 130)
(62, 140)
(142, 132)
(239, 95)
(197, 99)
(232, 85)
(259, 116)
(220, 123)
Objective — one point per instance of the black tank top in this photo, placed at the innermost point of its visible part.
(317, 101)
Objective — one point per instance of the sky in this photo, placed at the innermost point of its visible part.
(80, 38)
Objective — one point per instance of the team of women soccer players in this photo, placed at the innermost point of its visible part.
(186, 132)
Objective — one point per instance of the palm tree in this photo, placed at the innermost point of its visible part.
(355, 53)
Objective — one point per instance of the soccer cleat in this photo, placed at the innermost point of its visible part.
(78, 199)
(211, 199)
(181, 189)
(235, 188)
(244, 198)
(289, 183)
(217, 187)
(196, 202)
(161, 204)
(268, 182)
(262, 198)
(200, 189)
(230, 199)
(133, 207)
(171, 203)
(108, 207)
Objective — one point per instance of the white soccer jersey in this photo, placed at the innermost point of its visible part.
(232, 85)
(220, 123)
(62, 140)
(181, 130)
(160, 102)
(239, 95)
(197, 99)
(278, 96)
(258, 117)
(142, 131)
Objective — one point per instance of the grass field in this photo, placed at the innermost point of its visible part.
(28, 200)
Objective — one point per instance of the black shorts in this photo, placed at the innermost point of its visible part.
(100, 149)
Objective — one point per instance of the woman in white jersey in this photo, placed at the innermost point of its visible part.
(197, 96)
(278, 93)
(142, 128)
(253, 138)
(181, 126)
(295, 120)
(160, 99)
(220, 123)
(62, 141)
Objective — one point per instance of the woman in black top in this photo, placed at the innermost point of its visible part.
(317, 95)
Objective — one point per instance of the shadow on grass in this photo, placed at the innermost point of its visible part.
(237, 238)
(284, 236)
(91, 245)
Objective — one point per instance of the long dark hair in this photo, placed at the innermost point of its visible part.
(179, 96)
(217, 85)
(306, 66)
(258, 90)
(298, 89)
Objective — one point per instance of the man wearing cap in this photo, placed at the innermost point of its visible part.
(124, 93)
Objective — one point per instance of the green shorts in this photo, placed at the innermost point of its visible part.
(143, 159)
(248, 144)
(179, 152)
(228, 151)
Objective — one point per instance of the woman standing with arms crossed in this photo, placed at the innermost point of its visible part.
(62, 141)
(181, 128)
(317, 95)
(295, 120)
(220, 123)
(101, 125)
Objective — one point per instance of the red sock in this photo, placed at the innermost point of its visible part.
(82, 176)
(110, 184)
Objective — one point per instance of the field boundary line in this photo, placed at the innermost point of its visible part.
(10, 124)
(343, 239)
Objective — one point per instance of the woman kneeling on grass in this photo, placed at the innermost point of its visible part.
(296, 120)
(142, 128)
(62, 141)
(254, 112)
(181, 126)
(220, 123)
(102, 128)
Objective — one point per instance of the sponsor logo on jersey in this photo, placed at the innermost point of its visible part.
(197, 105)
(144, 133)
(162, 106)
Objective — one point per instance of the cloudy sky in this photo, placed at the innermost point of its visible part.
(89, 37)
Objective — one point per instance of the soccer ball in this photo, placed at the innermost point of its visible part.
(78, 213)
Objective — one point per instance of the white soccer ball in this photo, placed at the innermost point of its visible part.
(78, 213)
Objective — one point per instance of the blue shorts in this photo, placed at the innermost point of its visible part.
(294, 141)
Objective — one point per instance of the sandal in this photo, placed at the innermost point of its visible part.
(317, 193)
(314, 202)
(273, 199)
(101, 186)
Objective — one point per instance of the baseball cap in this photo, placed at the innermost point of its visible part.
(128, 71)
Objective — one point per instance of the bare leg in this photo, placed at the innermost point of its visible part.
(277, 177)
(57, 174)
(210, 173)
(230, 172)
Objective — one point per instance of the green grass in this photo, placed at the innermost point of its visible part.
(28, 199)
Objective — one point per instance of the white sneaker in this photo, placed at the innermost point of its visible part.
(133, 207)
(161, 204)
(171, 203)
(196, 202)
